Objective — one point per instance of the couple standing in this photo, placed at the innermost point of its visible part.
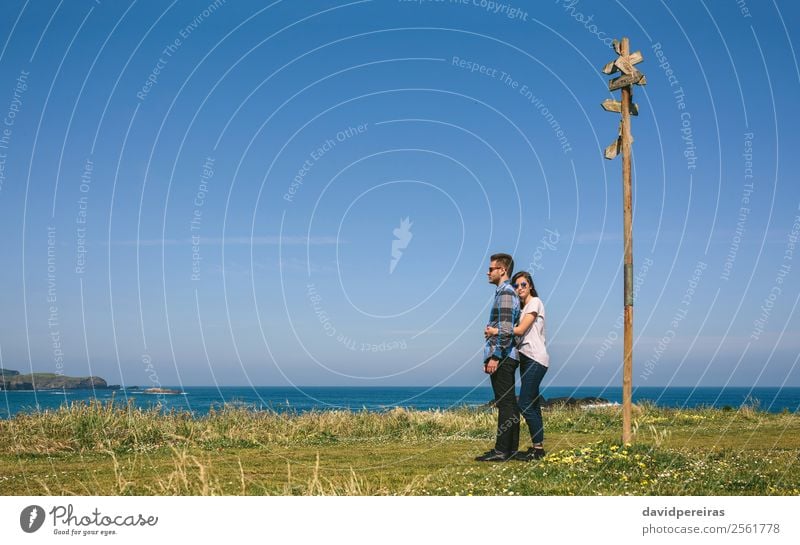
(515, 338)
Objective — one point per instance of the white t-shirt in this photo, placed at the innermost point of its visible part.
(532, 344)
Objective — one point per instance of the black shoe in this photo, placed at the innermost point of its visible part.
(493, 456)
(530, 454)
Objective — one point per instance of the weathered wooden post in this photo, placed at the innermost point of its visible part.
(630, 76)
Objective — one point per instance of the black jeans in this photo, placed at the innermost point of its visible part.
(505, 400)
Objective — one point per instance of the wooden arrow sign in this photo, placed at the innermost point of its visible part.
(613, 149)
(633, 58)
(625, 65)
(627, 79)
(616, 106)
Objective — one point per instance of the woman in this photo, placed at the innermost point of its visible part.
(534, 360)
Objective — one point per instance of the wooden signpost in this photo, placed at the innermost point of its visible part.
(625, 64)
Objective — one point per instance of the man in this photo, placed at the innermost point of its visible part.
(500, 359)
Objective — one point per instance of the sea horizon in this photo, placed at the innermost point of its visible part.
(201, 399)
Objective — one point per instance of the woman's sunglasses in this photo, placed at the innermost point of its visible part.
(520, 285)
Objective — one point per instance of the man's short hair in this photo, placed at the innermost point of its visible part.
(506, 261)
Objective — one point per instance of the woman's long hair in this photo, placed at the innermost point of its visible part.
(528, 277)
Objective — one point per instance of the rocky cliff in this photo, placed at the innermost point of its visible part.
(12, 380)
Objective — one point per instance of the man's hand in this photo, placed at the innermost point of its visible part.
(490, 332)
(491, 366)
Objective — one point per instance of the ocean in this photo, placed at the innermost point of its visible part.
(199, 399)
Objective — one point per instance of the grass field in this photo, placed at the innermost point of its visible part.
(117, 450)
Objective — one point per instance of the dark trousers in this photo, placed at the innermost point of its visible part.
(506, 402)
(531, 374)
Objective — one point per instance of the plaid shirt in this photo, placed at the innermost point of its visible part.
(504, 316)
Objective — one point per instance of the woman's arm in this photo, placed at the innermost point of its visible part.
(524, 324)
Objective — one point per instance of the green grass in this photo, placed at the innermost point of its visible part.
(114, 449)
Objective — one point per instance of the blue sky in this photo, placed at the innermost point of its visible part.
(233, 176)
